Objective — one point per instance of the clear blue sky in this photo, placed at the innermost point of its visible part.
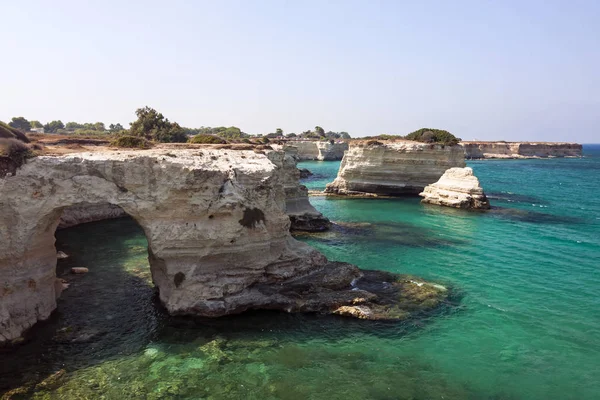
(512, 70)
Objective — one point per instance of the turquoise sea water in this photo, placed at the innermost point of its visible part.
(526, 324)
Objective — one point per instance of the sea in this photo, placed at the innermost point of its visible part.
(523, 321)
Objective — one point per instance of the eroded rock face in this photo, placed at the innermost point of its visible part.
(479, 150)
(218, 237)
(303, 216)
(317, 150)
(393, 168)
(458, 188)
(214, 222)
(83, 213)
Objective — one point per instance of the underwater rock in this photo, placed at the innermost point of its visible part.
(52, 381)
(458, 188)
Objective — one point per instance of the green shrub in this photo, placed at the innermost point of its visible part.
(374, 143)
(15, 149)
(428, 135)
(131, 142)
(207, 139)
(8, 132)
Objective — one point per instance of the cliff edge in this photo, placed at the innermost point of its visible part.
(482, 150)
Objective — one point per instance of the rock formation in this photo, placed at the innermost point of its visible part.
(393, 168)
(479, 150)
(459, 188)
(82, 213)
(303, 215)
(218, 239)
(317, 150)
(304, 173)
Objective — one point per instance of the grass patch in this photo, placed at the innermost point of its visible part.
(206, 139)
(131, 142)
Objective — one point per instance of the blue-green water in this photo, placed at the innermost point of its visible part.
(526, 326)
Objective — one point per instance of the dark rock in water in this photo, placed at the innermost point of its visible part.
(309, 223)
(304, 173)
(535, 217)
(343, 289)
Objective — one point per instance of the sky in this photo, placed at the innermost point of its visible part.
(483, 70)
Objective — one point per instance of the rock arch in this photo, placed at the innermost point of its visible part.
(191, 204)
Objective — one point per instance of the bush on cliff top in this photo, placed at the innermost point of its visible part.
(8, 132)
(15, 149)
(428, 135)
(205, 138)
(131, 142)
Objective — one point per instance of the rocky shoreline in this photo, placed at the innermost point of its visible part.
(217, 231)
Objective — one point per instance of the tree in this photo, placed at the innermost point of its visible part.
(291, 135)
(152, 125)
(53, 126)
(319, 131)
(429, 135)
(20, 123)
(73, 125)
(115, 127)
(99, 126)
(279, 132)
(36, 124)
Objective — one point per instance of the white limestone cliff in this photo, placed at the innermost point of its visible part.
(482, 150)
(393, 168)
(218, 237)
(303, 216)
(458, 188)
(317, 150)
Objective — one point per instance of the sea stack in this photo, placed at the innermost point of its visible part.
(393, 168)
(317, 150)
(458, 188)
(303, 216)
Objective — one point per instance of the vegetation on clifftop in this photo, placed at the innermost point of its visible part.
(152, 125)
(429, 135)
(205, 138)
(131, 142)
(9, 132)
(425, 135)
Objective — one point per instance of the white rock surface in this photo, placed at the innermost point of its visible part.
(459, 188)
(478, 150)
(317, 150)
(393, 168)
(303, 216)
(214, 222)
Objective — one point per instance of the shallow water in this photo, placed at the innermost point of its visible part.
(526, 324)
